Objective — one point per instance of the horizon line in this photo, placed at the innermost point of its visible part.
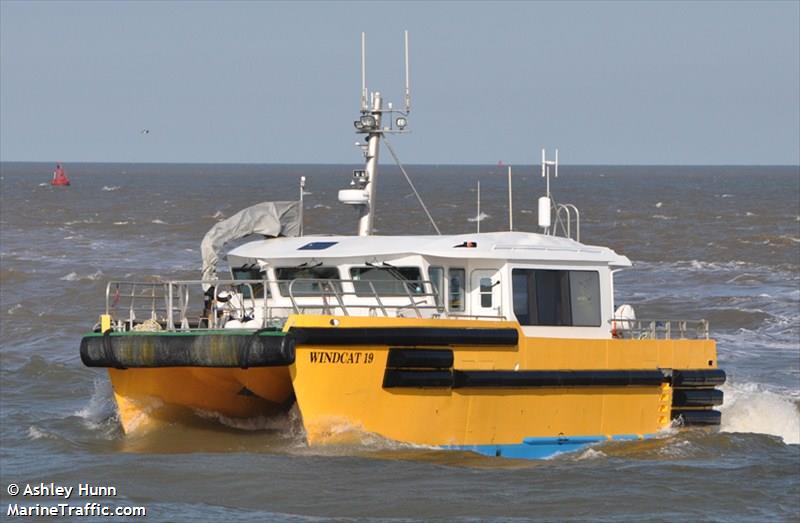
(417, 164)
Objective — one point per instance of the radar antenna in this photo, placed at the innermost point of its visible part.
(563, 211)
(372, 123)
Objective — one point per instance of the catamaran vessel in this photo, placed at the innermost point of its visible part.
(504, 343)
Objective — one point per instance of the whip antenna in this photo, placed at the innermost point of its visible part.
(364, 71)
(408, 83)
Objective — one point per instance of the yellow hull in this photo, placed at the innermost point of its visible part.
(476, 384)
(146, 396)
(342, 388)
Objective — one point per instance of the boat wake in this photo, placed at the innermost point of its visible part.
(748, 408)
(101, 408)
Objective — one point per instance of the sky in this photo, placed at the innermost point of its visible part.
(681, 83)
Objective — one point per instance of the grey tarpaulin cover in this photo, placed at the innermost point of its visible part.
(267, 218)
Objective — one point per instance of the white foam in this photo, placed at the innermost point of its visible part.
(482, 216)
(111, 188)
(73, 276)
(750, 408)
(74, 222)
(14, 309)
(157, 221)
(679, 448)
(101, 406)
(121, 223)
(35, 433)
(590, 453)
(659, 204)
(280, 423)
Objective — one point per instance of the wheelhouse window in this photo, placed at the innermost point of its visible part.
(456, 279)
(486, 293)
(556, 298)
(387, 281)
(307, 281)
(436, 276)
(250, 272)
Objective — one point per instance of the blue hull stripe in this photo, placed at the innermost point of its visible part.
(539, 448)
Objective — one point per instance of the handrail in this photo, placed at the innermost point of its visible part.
(565, 208)
(640, 328)
(169, 302)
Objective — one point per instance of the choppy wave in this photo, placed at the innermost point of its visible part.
(85, 220)
(749, 408)
(479, 218)
(288, 424)
(74, 276)
(100, 407)
(17, 307)
(35, 433)
(590, 454)
(13, 276)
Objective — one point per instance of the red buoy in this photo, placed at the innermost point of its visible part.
(59, 176)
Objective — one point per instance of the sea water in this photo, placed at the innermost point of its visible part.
(721, 243)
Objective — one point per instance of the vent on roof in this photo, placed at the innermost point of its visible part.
(316, 246)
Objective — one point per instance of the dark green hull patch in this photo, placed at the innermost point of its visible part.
(241, 349)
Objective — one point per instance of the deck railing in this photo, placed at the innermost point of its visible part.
(209, 304)
(659, 329)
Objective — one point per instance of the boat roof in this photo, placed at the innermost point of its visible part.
(508, 245)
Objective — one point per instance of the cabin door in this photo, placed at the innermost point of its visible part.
(485, 292)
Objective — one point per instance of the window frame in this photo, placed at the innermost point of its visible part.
(414, 287)
(462, 289)
(257, 288)
(438, 285)
(560, 285)
(283, 283)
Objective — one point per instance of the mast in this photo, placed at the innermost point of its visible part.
(371, 123)
(365, 212)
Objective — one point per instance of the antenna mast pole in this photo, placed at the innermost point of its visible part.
(363, 72)
(373, 147)
(408, 83)
(478, 216)
(302, 194)
(369, 123)
(510, 203)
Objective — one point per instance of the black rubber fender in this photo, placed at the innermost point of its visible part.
(698, 418)
(697, 397)
(698, 378)
(193, 349)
